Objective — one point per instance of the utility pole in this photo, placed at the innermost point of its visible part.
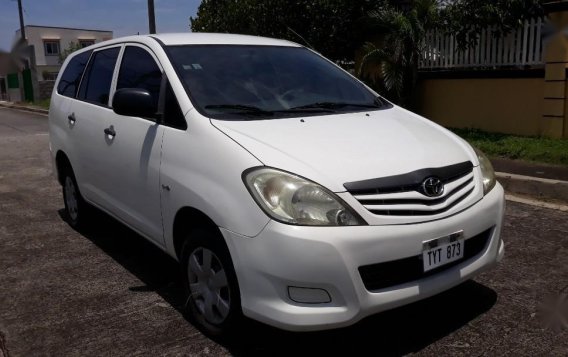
(22, 30)
(151, 17)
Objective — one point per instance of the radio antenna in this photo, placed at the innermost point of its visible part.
(300, 37)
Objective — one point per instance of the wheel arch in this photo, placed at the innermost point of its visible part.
(62, 163)
(187, 218)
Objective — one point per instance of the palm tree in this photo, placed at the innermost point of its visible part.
(390, 60)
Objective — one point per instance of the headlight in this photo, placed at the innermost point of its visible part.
(487, 172)
(292, 199)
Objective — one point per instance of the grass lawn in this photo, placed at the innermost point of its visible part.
(44, 104)
(538, 149)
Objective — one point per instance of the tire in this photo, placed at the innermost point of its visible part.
(214, 302)
(76, 209)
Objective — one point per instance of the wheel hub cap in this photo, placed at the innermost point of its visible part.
(71, 198)
(208, 285)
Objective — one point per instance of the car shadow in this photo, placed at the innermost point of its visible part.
(396, 332)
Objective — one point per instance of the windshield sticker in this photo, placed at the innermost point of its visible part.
(188, 67)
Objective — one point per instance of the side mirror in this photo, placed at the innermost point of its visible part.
(134, 102)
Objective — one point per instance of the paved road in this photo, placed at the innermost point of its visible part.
(108, 292)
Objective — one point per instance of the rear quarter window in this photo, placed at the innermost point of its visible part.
(71, 77)
(95, 87)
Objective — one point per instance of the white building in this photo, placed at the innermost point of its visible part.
(49, 42)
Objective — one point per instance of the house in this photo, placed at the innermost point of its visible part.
(8, 76)
(49, 42)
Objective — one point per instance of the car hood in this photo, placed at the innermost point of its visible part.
(334, 149)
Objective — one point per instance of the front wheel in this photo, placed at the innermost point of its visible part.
(214, 299)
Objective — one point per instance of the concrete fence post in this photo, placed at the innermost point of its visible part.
(554, 122)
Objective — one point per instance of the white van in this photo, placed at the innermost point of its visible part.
(289, 191)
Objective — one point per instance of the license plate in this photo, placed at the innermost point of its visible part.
(443, 250)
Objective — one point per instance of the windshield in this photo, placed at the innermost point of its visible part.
(235, 82)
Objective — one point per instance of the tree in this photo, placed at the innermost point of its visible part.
(467, 18)
(389, 62)
(73, 46)
(328, 26)
(390, 59)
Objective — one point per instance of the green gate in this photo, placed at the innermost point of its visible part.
(13, 81)
(28, 87)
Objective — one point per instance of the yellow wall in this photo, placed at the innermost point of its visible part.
(506, 105)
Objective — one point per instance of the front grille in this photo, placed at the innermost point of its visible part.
(396, 272)
(403, 195)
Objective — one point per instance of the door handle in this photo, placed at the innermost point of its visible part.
(71, 118)
(110, 131)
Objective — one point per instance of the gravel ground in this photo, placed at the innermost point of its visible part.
(106, 291)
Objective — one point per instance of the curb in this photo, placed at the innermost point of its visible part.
(23, 107)
(545, 190)
(536, 203)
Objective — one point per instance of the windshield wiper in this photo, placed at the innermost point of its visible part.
(248, 109)
(252, 110)
(306, 110)
(319, 107)
(336, 105)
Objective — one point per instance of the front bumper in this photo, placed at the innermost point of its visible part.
(329, 257)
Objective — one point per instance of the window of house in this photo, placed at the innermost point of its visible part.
(49, 75)
(95, 87)
(86, 43)
(71, 77)
(139, 70)
(51, 47)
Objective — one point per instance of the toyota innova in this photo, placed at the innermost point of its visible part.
(289, 191)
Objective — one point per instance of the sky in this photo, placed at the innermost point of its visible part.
(124, 17)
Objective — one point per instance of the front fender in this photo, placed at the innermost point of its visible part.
(203, 168)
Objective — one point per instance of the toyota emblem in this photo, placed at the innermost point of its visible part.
(433, 187)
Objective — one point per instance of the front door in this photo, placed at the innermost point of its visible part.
(133, 149)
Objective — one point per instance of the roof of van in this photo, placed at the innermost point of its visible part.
(201, 38)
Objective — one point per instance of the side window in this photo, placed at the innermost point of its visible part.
(95, 87)
(69, 82)
(139, 70)
(173, 115)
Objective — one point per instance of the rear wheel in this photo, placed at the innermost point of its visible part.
(76, 208)
(214, 299)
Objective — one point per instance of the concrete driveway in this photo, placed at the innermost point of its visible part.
(106, 291)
